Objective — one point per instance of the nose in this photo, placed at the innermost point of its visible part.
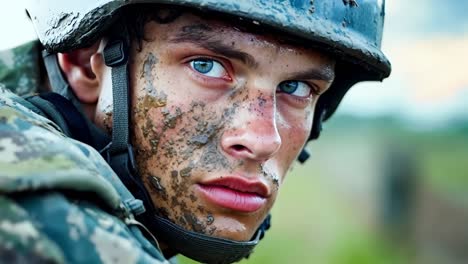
(254, 133)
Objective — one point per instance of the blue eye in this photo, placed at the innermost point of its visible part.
(296, 88)
(208, 67)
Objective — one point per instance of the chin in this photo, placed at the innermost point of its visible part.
(235, 236)
(233, 229)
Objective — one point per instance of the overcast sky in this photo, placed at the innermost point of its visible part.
(426, 40)
(427, 43)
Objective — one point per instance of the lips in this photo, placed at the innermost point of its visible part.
(236, 193)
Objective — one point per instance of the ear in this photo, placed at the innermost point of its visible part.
(84, 69)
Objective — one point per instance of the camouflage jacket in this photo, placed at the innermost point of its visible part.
(21, 69)
(59, 200)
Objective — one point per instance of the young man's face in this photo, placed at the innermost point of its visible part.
(218, 117)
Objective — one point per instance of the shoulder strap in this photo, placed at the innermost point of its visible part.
(62, 112)
(119, 153)
(74, 119)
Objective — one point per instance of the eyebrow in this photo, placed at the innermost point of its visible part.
(198, 36)
(322, 74)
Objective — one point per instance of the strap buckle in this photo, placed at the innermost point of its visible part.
(116, 53)
(303, 156)
(107, 153)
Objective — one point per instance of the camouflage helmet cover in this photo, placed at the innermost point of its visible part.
(351, 29)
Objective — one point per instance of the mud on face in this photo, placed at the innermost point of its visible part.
(175, 143)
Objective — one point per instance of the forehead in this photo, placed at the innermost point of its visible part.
(190, 27)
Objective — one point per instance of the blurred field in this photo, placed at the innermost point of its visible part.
(336, 208)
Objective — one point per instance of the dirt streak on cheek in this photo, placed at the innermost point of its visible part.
(199, 147)
(107, 122)
(180, 149)
(154, 98)
(273, 177)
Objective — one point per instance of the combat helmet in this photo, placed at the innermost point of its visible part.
(351, 30)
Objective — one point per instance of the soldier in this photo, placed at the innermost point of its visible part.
(170, 128)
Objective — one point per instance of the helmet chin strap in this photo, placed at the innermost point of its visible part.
(204, 248)
(120, 156)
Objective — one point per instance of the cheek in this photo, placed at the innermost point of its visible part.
(104, 109)
(295, 131)
(103, 120)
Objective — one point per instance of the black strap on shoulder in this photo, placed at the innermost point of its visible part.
(119, 153)
(116, 57)
(76, 123)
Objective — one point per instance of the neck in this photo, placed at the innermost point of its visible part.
(89, 110)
